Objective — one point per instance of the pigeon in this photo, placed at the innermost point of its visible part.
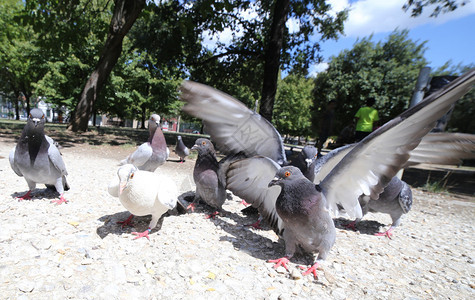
(366, 168)
(36, 158)
(209, 187)
(302, 208)
(181, 150)
(435, 148)
(396, 200)
(152, 154)
(306, 160)
(144, 193)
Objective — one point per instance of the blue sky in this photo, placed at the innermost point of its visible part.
(450, 36)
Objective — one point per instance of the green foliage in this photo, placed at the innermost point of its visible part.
(292, 111)
(385, 71)
(439, 6)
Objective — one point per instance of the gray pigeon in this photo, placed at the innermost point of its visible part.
(306, 160)
(152, 154)
(396, 200)
(144, 193)
(302, 208)
(36, 158)
(365, 168)
(180, 149)
(209, 187)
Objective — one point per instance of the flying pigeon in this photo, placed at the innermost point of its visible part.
(209, 187)
(365, 169)
(152, 154)
(306, 160)
(181, 150)
(144, 193)
(36, 158)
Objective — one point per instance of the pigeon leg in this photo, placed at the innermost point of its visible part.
(213, 215)
(61, 200)
(27, 196)
(127, 222)
(256, 225)
(351, 225)
(311, 270)
(192, 206)
(142, 234)
(243, 202)
(388, 233)
(283, 261)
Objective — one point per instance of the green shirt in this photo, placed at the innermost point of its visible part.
(366, 116)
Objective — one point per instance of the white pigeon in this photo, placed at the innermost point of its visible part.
(36, 158)
(144, 193)
(153, 153)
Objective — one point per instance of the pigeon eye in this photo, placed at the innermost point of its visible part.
(287, 174)
(43, 116)
(131, 175)
(31, 116)
(203, 143)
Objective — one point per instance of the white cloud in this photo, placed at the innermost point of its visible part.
(375, 16)
(317, 68)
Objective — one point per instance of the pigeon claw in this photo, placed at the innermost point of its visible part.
(127, 222)
(192, 206)
(27, 196)
(213, 215)
(283, 261)
(142, 234)
(351, 225)
(388, 233)
(243, 202)
(256, 225)
(60, 201)
(311, 270)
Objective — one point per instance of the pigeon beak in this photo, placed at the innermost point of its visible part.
(36, 120)
(195, 147)
(274, 181)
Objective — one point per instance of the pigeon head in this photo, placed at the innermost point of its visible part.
(36, 117)
(203, 146)
(178, 137)
(154, 122)
(309, 153)
(126, 174)
(286, 175)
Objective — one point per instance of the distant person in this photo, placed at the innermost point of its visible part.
(326, 125)
(366, 117)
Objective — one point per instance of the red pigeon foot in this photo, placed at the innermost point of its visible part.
(311, 270)
(27, 196)
(256, 225)
(60, 201)
(283, 261)
(351, 225)
(127, 222)
(243, 202)
(387, 233)
(192, 206)
(213, 215)
(142, 234)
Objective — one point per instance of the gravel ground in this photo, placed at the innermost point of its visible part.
(77, 250)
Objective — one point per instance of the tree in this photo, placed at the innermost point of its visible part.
(440, 6)
(386, 71)
(293, 105)
(125, 14)
(263, 43)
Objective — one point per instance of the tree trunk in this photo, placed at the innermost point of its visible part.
(144, 116)
(272, 58)
(125, 14)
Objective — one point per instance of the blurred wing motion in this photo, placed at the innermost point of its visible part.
(369, 166)
(232, 126)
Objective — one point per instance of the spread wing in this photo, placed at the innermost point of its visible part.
(443, 148)
(232, 126)
(372, 163)
(249, 179)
